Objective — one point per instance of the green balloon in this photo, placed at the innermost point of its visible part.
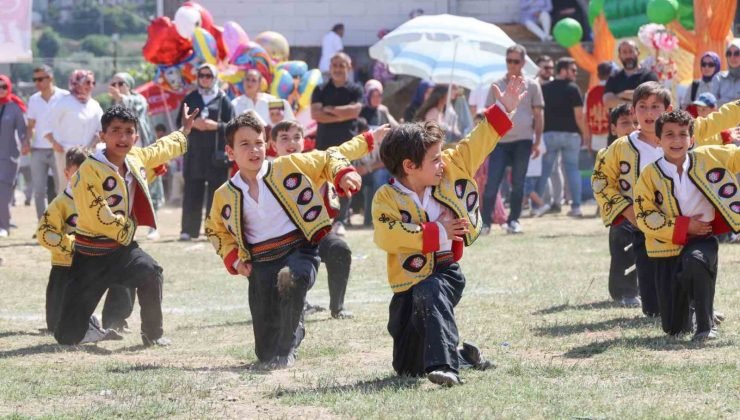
(662, 11)
(595, 7)
(567, 32)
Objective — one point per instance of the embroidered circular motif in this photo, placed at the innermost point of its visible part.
(114, 200)
(292, 181)
(109, 184)
(305, 196)
(226, 212)
(405, 216)
(460, 187)
(414, 263)
(312, 213)
(624, 185)
(658, 198)
(715, 175)
(735, 206)
(598, 185)
(72, 220)
(472, 200)
(120, 213)
(655, 220)
(728, 190)
(624, 167)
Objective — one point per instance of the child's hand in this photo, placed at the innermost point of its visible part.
(456, 228)
(188, 119)
(245, 269)
(350, 183)
(699, 228)
(515, 91)
(380, 133)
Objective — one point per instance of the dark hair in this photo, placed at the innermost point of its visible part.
(160, 127)
(679, 117)
(564, 63)
(409, 141)
(247, 119)
(74, 157)
(542, 59)
(45, 69)
(362, 125)
(438, 92)
(604, 70)
(519, 49)
(619, 111)
(649, 89)
(120, 113)
(337, 27)
(285, 125)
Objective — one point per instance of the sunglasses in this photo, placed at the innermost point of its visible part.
(118, 84)
(549, 67)
(39, 79)
(705, 64)
(513, 61)
(205, 76)
(4, 87)
(735, 53)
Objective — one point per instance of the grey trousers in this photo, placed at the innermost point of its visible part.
(41, 161)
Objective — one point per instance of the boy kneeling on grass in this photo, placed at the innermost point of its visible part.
(423, 219)
(682, 201)
(266, 223)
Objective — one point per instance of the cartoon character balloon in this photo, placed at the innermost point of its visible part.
(275, 44)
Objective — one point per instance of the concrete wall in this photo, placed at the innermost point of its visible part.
(304, 22)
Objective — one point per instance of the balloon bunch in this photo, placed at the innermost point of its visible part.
(179, 46)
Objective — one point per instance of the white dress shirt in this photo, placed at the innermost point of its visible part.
(73, 123)
(39, 110)
(691, 201)
(330, 45)
(648, 152)
(435, 211)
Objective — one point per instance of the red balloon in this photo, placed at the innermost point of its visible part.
(164, 45)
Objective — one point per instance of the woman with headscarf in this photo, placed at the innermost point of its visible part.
(710, 65)
(205, 164)
(75, 120)
(12, 124)
(726, 85)
(422, 93)
(121, 91)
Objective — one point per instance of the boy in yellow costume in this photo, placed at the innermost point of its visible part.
(266, 223)
(681, 201)
(423, 218)
(111, 195)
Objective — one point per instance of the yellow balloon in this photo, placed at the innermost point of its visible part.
(275, 44)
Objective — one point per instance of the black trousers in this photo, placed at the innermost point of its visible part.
(119, 304)
(337, 257)
(127, 266)
(422, 323)
(198, 190)
(686, 278)
(277, 318)
(622, 285)
(645, 275)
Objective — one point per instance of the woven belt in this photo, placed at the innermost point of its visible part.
(95, 246)
(276, 248)
(443, 259)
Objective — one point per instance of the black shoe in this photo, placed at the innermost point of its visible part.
(718, 317)
(342, 314)
(160, 342)
(309, 309)
(120, 327)
(472, 354)
(555, 209)
(706, 335)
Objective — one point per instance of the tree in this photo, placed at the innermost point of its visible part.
(98, 45)
(48, 43)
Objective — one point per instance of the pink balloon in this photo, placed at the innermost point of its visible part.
(234, 36)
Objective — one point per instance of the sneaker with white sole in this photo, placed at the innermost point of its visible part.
(631, 302)
(339, 229)
(444, 378)
(514, 227)
(185, 237)
(575, 212)
(485, 230)
(3, 233)
(153, 234)
(96, 333)
(541, 211)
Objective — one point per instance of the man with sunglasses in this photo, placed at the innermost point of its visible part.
(726, 85)
(42, 153)
(620, 86)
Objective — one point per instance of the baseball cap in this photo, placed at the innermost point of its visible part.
(706, 99)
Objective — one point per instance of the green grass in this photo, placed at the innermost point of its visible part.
(536, 303)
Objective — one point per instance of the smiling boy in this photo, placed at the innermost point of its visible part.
(682, 201)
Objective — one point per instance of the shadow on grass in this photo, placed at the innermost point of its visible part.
(393, 382)
(570, 235)
(622, 322)
(138, 367)
(604, 304)
(38, 333)
(660, 343)
(51, 349)
(221, 325)
(255, 367)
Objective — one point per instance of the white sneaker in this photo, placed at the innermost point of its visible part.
(3, 233)
(539, 212)
(575, 212)
(184, 237)
(153, 234)
(514, 227)
(444, 378)
(339, 229)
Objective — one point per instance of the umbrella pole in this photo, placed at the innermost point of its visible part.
(449, 86)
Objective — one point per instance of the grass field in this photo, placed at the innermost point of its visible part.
(535, 303)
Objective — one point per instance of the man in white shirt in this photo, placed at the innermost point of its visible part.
(256, 100)
(42, 154)
(330, 45)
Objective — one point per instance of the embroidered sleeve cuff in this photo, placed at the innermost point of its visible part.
(498, 119)
(231, 260)
(681, 230)
(338, 179)
(430, 237)
(370, 140)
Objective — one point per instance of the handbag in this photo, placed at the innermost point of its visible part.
(219, 159)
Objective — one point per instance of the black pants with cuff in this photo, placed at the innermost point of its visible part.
(645, 275)
(119, 304)
(128, 266)
(621, 284)
(686, 278)
(337, 256)
(422, 323)
(277, 318)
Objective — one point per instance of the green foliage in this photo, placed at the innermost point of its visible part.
(99, 45)
(48, 44)
(88, 17)
(142, 73)
(117, 19)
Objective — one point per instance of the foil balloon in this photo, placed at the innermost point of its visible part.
(283, 85)
(253, 56)
(295, 68)
(309, 81)
(186, 20)
(204, 45)
(164, 45)
(234, 36)
(205, 16)
(275, 44)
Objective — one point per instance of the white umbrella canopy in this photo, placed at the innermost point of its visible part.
(448, 49)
